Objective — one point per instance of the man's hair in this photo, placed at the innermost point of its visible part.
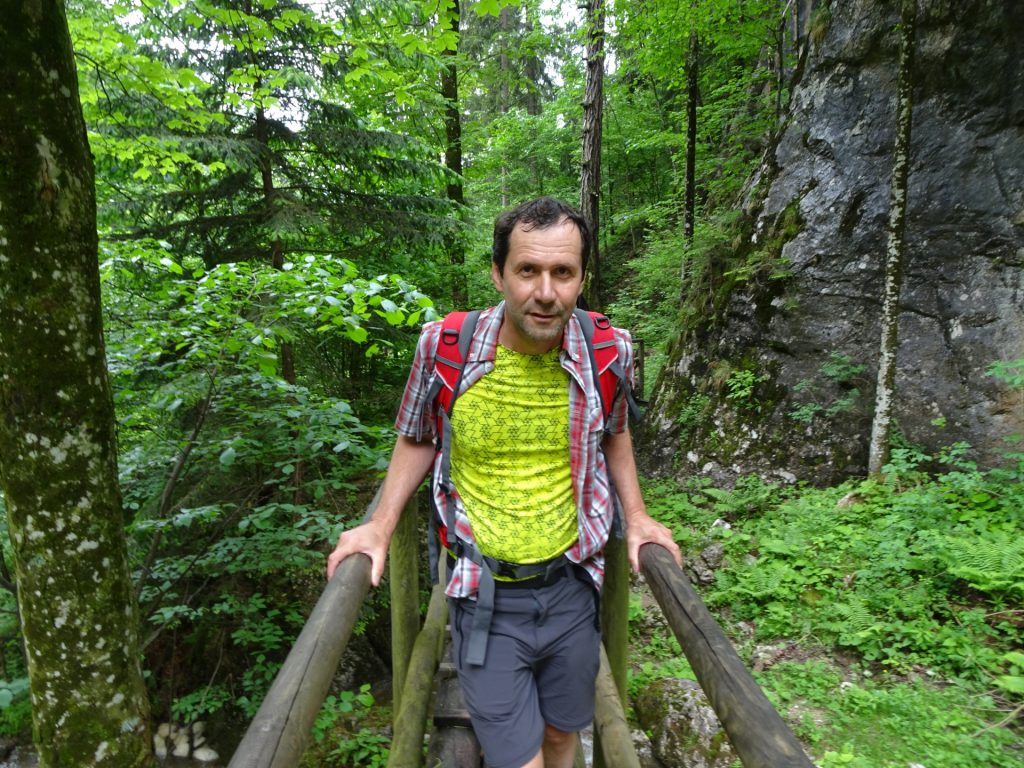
(541, 213)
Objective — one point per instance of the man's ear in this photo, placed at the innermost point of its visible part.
(496, 278)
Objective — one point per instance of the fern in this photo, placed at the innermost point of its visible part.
(993, 563)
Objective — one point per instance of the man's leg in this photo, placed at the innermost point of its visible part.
(559, 747)
(566, 675)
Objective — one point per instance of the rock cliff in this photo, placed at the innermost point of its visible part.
(779, 378)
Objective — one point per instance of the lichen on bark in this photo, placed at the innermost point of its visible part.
(58, 463)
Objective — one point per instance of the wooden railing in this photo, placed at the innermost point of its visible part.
(279, 734)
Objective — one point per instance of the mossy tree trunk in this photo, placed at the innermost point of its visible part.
(453, 156)
(881, 426)
(58, 460)
(590, 178)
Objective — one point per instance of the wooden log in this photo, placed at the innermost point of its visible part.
(614, 626)
(610, 724)
(757, 733)
(410, 725)
(579, 760)
(403, 568)
(277, 736)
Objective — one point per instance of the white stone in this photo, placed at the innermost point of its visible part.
(181, 746)
(204, 755)
(159, 745)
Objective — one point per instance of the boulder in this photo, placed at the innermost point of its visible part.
(806, 327)
(685, 732)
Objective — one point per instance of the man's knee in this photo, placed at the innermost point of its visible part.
(558, 738)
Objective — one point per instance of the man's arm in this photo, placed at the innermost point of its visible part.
(641, 528)
(410, 462)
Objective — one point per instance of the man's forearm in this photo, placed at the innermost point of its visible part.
(618, 451)
(410, 462)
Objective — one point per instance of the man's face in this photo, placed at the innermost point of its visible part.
(542, 279)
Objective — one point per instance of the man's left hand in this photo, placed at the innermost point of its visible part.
(642, 529)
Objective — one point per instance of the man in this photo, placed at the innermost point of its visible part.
(531, 488)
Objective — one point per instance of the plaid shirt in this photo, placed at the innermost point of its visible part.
(595, 510)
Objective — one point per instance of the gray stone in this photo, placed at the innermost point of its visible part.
(701, 570)
(644, 750)
(685, 732)
(962, 303)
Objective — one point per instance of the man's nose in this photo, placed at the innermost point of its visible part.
(545, 288)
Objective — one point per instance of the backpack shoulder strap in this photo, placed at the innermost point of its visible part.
(609, 376)
(453, 343)
(449, 362)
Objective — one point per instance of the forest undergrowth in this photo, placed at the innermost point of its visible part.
(882, 618)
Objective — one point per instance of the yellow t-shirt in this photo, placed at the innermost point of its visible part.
(510, 458)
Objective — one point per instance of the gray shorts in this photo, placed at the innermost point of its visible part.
(541, 667)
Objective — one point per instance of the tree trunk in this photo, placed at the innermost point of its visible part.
(504, 92)
(453, 159)
(58, 458)
(692, 99)
(590, 178)
(881, 426)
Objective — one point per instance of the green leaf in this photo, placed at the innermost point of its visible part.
(1011, 683)
(227, 456)
(488, 8)
(172, 266)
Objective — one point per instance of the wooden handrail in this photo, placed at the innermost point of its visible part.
(757, 733)
(278, 735)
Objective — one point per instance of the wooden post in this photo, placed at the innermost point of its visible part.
(615, 625)
(638, 366)
(757, 733)
(403, 559)
(610, 722)
(278, 735)
(410, 725)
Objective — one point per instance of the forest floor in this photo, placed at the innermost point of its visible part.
(882, 620)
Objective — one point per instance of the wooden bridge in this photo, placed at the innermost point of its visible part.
(279, 734)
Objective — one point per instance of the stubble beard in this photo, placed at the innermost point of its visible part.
(540, 334)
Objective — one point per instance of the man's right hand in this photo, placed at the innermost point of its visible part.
(371, 539)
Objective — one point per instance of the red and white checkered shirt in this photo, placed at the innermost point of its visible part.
(595, 511)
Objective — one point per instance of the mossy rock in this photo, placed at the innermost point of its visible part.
(685, 732)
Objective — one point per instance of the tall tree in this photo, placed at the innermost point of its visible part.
(593, 110)
(881, 425)
(58, 460)
(310, 110)
(692, 100)
(453, 150)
